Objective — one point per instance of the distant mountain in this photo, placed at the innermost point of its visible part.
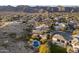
(30, 9)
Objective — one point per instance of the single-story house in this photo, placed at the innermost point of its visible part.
(60, 26)
(41, 28)
(61, 38)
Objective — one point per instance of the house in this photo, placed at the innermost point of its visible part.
(60, 26)
(61, 38)
(41, 28)
(58, 39)
(72, 25)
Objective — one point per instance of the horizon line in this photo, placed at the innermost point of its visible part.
(42, 5)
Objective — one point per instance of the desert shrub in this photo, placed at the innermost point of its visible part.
(75, 32)
(57, 49)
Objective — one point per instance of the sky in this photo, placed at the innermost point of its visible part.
(39, 2)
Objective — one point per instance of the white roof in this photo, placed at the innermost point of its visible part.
(62, 24)
(58, 36)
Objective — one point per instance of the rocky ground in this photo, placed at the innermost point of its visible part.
(8, 44)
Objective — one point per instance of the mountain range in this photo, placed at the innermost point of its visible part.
(35, 9)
